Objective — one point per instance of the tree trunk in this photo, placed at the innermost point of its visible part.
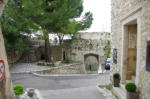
(6, 91)
(47, 51)
(60, 39)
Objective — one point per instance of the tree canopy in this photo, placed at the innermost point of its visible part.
(58, 16)
(15, 24)
(50, 16)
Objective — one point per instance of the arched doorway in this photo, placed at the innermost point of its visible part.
(91, 62)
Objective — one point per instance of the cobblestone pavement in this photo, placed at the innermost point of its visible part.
(64, 87)
(59, 82)
(26, 67)
(75, 93)
(72, 86)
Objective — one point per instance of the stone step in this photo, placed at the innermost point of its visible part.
(122, 86)
(118, 91)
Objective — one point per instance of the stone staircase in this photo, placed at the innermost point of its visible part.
(30, 55)
(120, 91)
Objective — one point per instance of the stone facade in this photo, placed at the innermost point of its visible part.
(73, 68)
(124, 14)
(95, 35)
(77, 50)
(82, 49)
(13, 57)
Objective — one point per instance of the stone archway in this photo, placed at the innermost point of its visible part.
(91, 62)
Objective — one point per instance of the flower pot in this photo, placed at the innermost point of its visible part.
(116, 82)
(132, 95)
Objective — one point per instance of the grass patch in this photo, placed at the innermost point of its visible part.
(109, 87)
(116, 97)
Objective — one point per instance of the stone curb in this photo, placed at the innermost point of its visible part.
(28, 72)
(107, 94)
(63, 75)
(101, 91)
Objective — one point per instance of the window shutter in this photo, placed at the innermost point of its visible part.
(148, 56)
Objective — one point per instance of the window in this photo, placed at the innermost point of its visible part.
(115, 55)
(148, 56)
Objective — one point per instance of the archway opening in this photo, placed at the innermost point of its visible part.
(91, 62)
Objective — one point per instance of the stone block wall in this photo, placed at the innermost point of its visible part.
(95, 35)
(83, 47)
(56, 52)
(67, 69)
(121, 10)
(14, 57)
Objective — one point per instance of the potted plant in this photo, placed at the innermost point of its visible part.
(116, 78)
(131, 91)
(18, 90)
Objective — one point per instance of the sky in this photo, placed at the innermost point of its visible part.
(101, 10)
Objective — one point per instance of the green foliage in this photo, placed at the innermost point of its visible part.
(130, 87)
(50, 16)
(109, 87)
(108, 49)
(107, 53)
(58, 16)
(86, 22)
(15, 25)
(67, 61)
(116, 75)
(18, 89)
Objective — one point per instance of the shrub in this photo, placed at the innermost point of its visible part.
(116, 75)
(130, 87)
(67, 61)
(18, 89)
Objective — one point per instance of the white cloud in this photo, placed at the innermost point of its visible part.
(101, 10)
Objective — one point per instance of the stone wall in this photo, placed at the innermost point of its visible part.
(95, 35)
(14, 57)
(67, 69)
(56, 52)
(75, 51)
(83, 47)
(121, 10)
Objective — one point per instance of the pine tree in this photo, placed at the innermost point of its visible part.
(50, 16)
(15, 24)
(55, 16)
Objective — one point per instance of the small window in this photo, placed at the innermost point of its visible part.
(148, 56)
(115, 56)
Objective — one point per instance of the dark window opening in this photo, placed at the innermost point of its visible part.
(64, 56)
(42, 57)
(148, 56)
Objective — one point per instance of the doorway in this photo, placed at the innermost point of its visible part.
(130, 51)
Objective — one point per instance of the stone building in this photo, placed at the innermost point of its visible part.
(130, 38)
(95, 35)
(81, 50)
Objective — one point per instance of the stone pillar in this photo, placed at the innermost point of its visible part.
(5, 85)
(124, 50)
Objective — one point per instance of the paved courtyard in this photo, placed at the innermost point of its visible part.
(72, 86)
(75, 93)
(26, 67)
(59, 82)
